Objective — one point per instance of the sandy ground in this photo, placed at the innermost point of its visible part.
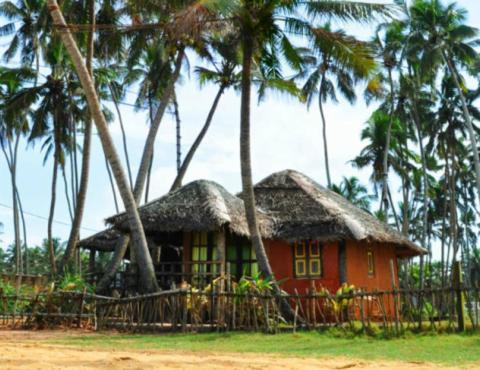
(25, 350)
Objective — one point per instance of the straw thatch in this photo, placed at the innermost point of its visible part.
(303, 209)
(104, 241)
(198, 206)
(291, 206)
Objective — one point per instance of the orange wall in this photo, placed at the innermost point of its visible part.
(280, 254)
(357, 266)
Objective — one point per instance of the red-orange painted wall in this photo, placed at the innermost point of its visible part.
(357, 265)
(280, 254)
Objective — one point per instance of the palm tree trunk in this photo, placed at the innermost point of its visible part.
(152, 134)
(124, 135)
(245, 160)
(145, 163)
(148, 282)
(24, 227)
(112, 185)
(12, 165)
(324, 134)
(416, 120)
(178, 125)
(384, 200)
(188, 159)
(67, 196)
(468, 119)
(81, 195)
(51, 251)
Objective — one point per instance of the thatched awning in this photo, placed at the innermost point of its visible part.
(303, 209)
(104, 241)
(198, 206)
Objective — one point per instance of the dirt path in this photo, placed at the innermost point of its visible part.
(26, 350)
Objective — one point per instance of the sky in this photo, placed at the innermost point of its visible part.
(285, 135)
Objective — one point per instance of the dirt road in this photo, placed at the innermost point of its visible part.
(27, 350)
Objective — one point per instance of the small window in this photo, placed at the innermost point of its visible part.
(241, 256)
(371, 263)
(308, 259)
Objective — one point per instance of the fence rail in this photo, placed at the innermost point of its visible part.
(394, 311)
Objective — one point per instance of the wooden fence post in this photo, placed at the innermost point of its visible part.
(460, 303)
(395, 300)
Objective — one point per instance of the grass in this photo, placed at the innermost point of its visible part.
(452, 349)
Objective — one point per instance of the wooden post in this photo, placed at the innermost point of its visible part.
(91, 265)
(395, 302)
(460, 303)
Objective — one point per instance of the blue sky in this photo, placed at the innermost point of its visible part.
(285, 135)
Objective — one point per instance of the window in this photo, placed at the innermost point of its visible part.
(370, 263)
(242, 258)
(307, 258)
(203, 251)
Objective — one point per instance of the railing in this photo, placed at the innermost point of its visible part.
(222, 308)
(199, 274)
(393, 312)
(48, 310)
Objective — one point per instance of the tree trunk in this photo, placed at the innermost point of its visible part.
(178, 125)
(24, 227)
(145, 164)
(188, 159)
(51, 250)
(11, 159)
(87, 143)
(416, 119)
(152, 134)
(124, 135)
(324, 134)
(384, 200)
(112, 266)
(468, 120)
(148, 282)
(245, 160)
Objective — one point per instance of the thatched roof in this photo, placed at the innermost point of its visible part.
(104, 241)
(303, 209)
(290, 206)
(198, 206)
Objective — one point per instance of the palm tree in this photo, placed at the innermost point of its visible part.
(264, 27)
(81, 196)
(12, 128)
(356, 193)
(30, 35)
(148, 281)
(445, 39)
(225, 74)
(338, 60)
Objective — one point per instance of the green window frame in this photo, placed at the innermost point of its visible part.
(203, 250)
(307, 257)
(241, 256)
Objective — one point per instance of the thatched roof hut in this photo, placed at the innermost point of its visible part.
(303, 209)
(198, 206)
(103, 241)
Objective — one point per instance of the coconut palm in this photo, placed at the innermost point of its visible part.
(223, 56)
(337, 60)
(29, 37)
(148, 281)
(440, 31)
(12, 128)
(356, 193)
(264, 27)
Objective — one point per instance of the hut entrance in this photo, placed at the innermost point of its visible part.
(168, 259)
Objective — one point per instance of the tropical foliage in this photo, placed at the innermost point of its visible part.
(419, 73)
